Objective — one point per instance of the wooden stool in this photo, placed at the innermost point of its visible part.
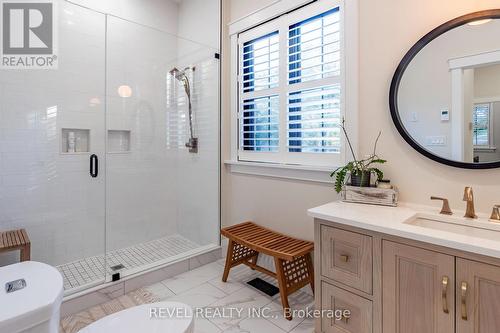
(292, 257)
(16, 240)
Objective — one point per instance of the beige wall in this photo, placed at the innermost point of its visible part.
(487, 81)
(388, 28)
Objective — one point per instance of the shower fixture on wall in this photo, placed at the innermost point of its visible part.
(181, 76)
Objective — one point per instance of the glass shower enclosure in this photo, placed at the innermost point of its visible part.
(93, 156)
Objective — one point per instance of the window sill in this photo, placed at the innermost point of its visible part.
(485, 149)
(287, 171)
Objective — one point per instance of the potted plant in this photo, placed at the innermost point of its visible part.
(358, 171)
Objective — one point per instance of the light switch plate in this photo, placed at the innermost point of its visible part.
(445, 115)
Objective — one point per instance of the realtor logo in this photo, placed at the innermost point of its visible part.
(28, 35)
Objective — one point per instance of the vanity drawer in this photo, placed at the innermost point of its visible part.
(337, 299)
(346, 257)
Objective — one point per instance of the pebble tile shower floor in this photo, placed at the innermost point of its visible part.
(91, 270)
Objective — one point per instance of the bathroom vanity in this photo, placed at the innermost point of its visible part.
(406, 270)
(414, 269)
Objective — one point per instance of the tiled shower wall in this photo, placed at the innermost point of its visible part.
(41, 189)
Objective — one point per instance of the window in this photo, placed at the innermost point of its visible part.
(481, 125)
(291, 88)
(260, 115)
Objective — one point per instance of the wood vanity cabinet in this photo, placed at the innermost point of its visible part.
(396, 285)
(477, 297)
(418, 288)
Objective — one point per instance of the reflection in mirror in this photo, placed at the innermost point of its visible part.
(449, 95)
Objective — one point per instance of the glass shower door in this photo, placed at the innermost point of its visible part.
(161, 200)
(140, 199)
(51, 128)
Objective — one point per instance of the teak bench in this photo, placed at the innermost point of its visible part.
(16, 240)
(292, 257)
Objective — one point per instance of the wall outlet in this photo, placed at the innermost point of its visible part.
(439, 140)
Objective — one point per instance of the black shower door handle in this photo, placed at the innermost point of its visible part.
(94, 165)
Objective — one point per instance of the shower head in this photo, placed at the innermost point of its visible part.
(175, 72)
(178, 74)
(182, 77)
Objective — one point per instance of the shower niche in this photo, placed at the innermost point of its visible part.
(118, 141)
(75, 140)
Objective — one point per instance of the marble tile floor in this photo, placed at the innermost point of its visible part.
(202, 288)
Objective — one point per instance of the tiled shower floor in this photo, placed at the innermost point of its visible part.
(90, 270)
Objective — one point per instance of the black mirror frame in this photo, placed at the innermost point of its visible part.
(393, 94)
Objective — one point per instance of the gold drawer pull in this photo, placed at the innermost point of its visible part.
(463, 297)
(444, 293)
(344, 257)
(345, 316)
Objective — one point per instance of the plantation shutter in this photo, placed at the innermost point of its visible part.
(314, 48)
(259, 112)
(313, 114)
(290, 88)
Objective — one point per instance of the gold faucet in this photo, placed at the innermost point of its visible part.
(469, 197)
(495, 214)
(445, 209)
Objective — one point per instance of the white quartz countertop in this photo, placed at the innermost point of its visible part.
(394, 221)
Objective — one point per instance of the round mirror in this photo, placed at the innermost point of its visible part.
(445, 94)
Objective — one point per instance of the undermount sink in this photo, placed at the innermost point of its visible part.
(478, 228)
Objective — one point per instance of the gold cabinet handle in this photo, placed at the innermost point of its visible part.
(346, 315)
(344, 257)
(463, 297)
(444, 293)
(345, 318)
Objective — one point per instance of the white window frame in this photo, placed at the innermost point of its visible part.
(491, 135)
(349, 78)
